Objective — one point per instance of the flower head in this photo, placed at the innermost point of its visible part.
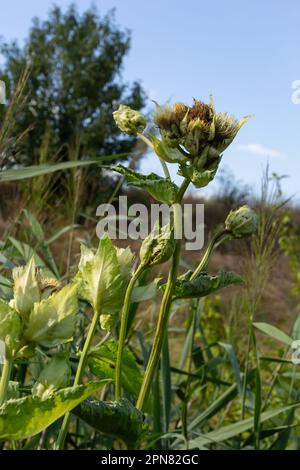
(197, 128)
(129, 121)
(241, 222)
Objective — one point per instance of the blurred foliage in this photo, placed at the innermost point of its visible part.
(74, 65)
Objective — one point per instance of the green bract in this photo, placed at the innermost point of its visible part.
(10, 328)
(26, 288)
(52, 321)
(103, 278)
(129, 121)
(241, 222)
(158, 247)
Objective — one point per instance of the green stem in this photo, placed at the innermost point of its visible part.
(79, 372)
(163, 163)
(217, 238)
(164, 308)
(6, 370)
(123, 329)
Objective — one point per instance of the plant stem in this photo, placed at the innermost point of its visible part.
(217, 238)
(164, 308)
(163, 163)
(79, 372)
(6, 370)
(123, 329)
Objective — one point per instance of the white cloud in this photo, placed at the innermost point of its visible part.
(261, 150)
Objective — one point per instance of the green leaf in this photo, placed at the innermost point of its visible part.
(17, 174)
(103, 279)
(232, 430)
(102, 361)
(296, 329)
(54, 376)
(147, 292)
(273, 332)
(162, 189)
(26, 252)
(200, 179)
(52, 321)
(25, 417)
(234, 362)
(203, 285)
(35, 226)
(118, 418)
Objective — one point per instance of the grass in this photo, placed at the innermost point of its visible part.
(202, 370)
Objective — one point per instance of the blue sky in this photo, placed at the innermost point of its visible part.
(246, 54)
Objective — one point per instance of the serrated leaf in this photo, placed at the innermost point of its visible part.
(24, 417)
(162, 189)
(204, 284)
(119, 418)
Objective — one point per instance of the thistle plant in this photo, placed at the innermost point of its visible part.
(41, 316)
(193, 137)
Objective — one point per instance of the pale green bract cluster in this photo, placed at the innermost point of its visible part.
(158, 247)
(36, 315)
(103, 278)
(241, 222)
(129, 121)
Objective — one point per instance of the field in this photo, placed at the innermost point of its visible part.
(114, 334)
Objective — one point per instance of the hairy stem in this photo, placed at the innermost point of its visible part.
(79, 373)
(5, 376)
(165, 306)
(123, 329)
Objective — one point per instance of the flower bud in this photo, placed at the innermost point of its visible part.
(129, 121)
(158, 247)
(241, 222)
